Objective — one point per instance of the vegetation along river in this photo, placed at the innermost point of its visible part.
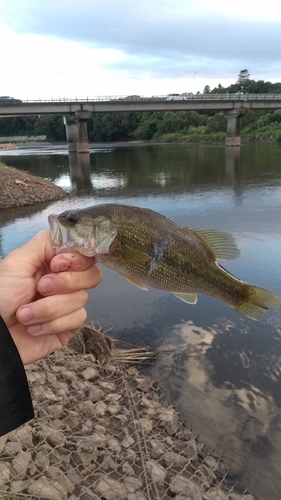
(221, 370)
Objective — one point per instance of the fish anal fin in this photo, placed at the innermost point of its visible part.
(189, 298)
(136, 282)
(222, 245)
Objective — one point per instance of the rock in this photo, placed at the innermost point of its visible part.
(171, 458)
(43, 487)
(238, 496)
(22, 435)
(89, 409)
(113, 445)
(136, 496)
(18, 486)
(87, 494)
(127, 442)
(156, 471)
(59, 479)
(90, 373)
(95, 394)
(217, 494)
(132, 484)
(110, 489)
(13, 447)
(128, 469)
(185, 486)
(43, 457)
(158, 448)
(3, 440)
(51, 435)
(169, 420)
(144, 384)
(100, 408)
(113, 408)
(5, 473)
(92, 442)
(109, 386)
(144, 424)
(20, 464)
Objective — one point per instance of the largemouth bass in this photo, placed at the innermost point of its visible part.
(149, 249)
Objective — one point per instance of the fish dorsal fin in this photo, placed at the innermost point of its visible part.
(132, 256)
(135, 282)
(189, 298)
(222, 245)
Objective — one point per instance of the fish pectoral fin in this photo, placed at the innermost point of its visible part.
(189, 298)
(222, 245)
(135, 282)
(132, 256)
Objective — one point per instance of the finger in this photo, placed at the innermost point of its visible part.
(70, 323)
(68, 282)
(50, 308)
(74, 261)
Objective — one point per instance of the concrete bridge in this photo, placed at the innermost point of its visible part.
(77, 111)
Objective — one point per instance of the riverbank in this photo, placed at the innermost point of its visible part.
(19, 188)
(104, 431)
(8, 146)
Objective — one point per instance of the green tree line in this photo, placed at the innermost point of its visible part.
(161, 126)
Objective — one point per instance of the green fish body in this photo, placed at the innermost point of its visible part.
(149, 249)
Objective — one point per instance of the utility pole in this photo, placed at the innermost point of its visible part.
(193, 81)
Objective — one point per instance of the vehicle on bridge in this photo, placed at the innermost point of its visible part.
(5, 99)
(175, 97)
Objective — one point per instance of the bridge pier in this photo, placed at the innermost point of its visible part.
(233, 137)
(76, 131)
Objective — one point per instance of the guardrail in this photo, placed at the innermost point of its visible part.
(171, 97)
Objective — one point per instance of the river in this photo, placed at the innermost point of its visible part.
(219, 369)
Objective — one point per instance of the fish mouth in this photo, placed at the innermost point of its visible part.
(59, 234)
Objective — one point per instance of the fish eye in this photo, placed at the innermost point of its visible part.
(71, 218)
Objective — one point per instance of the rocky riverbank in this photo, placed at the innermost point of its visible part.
(102, 430)
(19, 188)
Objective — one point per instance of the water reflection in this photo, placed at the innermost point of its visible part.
(166, 169)
(225, 402)
(79, 171)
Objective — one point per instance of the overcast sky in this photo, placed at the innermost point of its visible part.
(54, 48)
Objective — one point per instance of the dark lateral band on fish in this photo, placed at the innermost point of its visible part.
(147, 248)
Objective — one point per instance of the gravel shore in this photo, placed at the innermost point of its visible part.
(105, 432)
(19, 188)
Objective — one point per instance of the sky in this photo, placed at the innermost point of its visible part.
(88, 48)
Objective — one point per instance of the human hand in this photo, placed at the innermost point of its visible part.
(42, 296)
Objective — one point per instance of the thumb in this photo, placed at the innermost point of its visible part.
(32, 255)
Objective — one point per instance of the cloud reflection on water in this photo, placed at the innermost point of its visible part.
(230, 409)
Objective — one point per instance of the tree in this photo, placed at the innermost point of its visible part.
(243, 75)
(207, 89)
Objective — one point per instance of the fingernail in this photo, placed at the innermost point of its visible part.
(25, 314)
(34, 329)
(46, 285)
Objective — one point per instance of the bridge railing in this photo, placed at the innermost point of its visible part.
(182, 97)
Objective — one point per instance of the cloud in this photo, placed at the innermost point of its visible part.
(156, 39)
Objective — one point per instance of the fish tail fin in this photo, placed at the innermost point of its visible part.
(258, 301)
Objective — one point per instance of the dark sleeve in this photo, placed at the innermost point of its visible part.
(15, 401)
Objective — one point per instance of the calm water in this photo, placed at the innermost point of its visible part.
(219, 369)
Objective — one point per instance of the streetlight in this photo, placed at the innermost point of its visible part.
(193, 80)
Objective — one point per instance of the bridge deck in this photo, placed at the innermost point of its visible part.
(106, 104)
